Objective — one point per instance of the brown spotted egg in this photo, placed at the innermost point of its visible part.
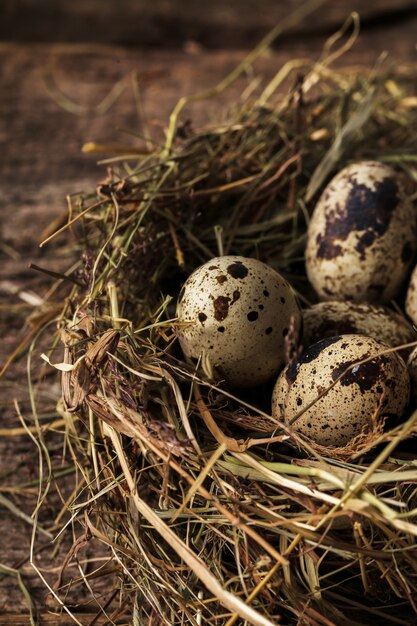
(411, 297)
(236, 312)
(412, 370)
(361, 390)
(327, 319)
(362, 235)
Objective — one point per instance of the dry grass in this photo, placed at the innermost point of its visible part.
(211, 512)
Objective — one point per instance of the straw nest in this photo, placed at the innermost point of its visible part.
(210, 511)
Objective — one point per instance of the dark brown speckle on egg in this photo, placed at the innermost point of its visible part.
(221, 308)
(345, 389)
(237, 270)
(248, 348)
(362, 224)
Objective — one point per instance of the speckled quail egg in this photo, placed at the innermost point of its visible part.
(411, 297)
(377, 387)
(362, 235)
(327, 319)
(236, 312)
(412, 370)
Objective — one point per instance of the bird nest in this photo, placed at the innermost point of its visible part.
(205, 508)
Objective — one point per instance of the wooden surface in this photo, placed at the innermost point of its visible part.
(52, 619)
(48, 108)
(169, 24)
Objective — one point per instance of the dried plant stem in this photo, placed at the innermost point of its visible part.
(10, 571)
(227, 599)
(71, 222)
(17, 432)
(256, 590)
(221, 496)
(291, 20)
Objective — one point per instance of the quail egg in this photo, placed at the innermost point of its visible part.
(412, 370)
(236, 312)
(411, 297)
(326, 319)
(361, 390)
(362, 235)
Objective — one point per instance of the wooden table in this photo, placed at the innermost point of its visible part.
(52, 84)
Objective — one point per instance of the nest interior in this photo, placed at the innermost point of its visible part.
(208, 511)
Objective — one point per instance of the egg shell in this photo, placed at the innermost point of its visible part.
(237, 312)
(379, 386)
(327, 319)
(412, 370)
(411, 297)
(362, 235)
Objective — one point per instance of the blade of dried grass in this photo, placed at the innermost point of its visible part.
(326, 59)
(71, 222)
(94, 286)
(353, 489)
(294, 18)
(340, 143)
(10, 571)
(240, 513)
(218, 452)
(10, 506)
(135, 432)
(39, 325)
(42, 492)
(246, 459)
(17, 432)
(193, 561)
(181, 407)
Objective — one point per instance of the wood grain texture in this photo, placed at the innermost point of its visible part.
(51, 619)
(168, 24)
(41, 162)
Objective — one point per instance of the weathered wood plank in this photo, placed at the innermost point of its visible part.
(169, 24)
(42, 161)
(50, 619)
